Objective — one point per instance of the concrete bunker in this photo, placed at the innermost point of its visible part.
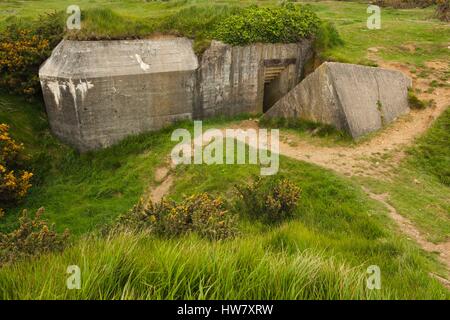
(236, 79)
(98, 92)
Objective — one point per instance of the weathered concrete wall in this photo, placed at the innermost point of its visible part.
(232, 78)
(353, 98)
(98, 92)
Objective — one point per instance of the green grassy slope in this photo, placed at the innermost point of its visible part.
(399, 30)
(323, 253)
(337, 232)
(80, 192)
(432, 152)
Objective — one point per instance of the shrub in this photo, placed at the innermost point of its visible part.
(31, 238)
(327, 36)
(14, 182)
(271, 200)
(414, 102)
(210, 219)
(200, 213)
(284, 24)
(24, 47)
(443, 10)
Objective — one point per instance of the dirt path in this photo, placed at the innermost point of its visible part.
(366, 158)
(164, 180)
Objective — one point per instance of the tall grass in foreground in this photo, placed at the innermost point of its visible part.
(127, 266)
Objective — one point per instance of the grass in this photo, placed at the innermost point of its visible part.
(321, 254)
(316, 133)
(187, 269)
(82, 192)
(431, 154)
(290, 261)
(28, 122)
(414, 102)
(420, 198)
(399, 28)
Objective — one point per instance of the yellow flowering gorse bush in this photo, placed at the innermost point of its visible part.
(33, 237)
(199, 213)
(14, 183)
(23, 48)
(271, 199)
(20, 60)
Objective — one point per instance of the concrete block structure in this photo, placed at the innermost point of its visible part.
(98, 92)
(353, 98)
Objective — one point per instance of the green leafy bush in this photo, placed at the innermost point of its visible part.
(271, 199)
(33, 237)
(200, 213)
(284, 24)
(24, 47)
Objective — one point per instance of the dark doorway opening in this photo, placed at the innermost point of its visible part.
(269, 97)
(277, 82)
